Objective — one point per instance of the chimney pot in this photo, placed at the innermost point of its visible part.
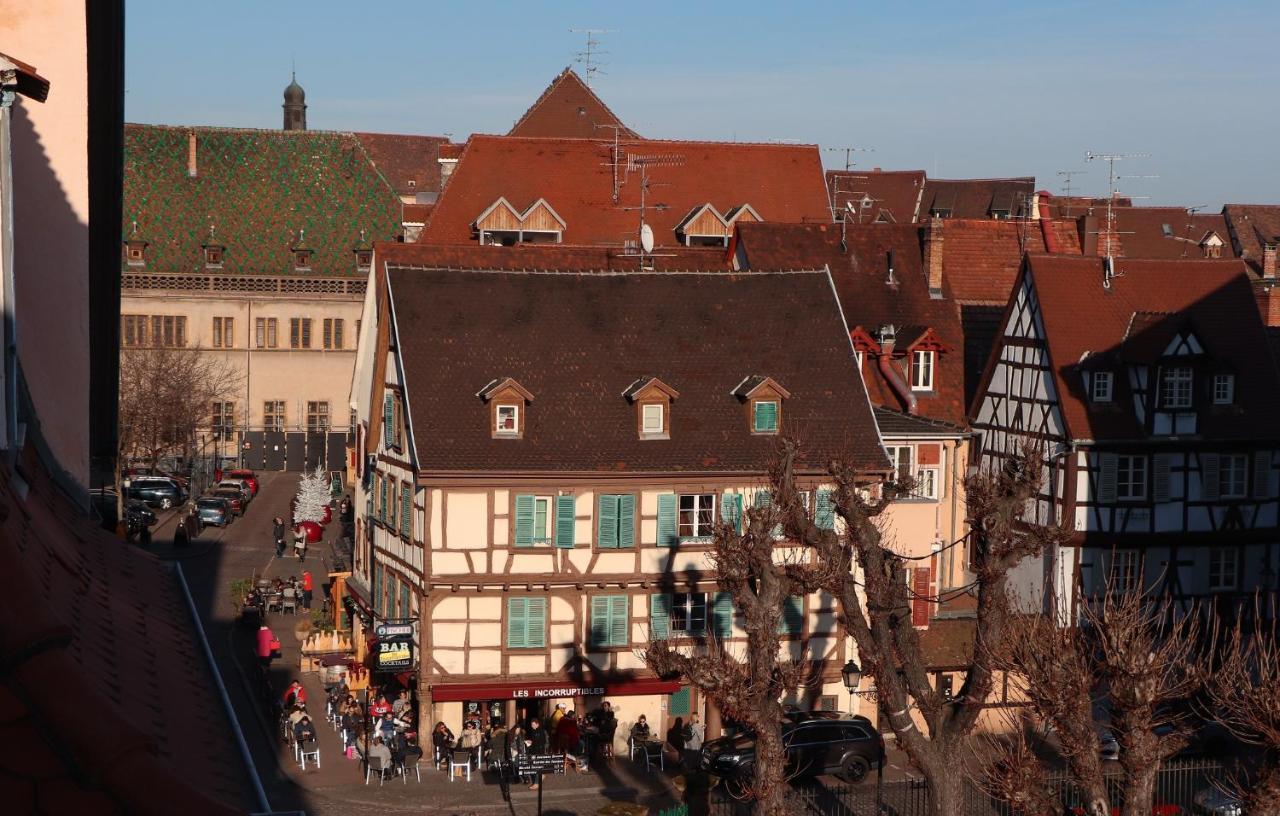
(1269, 261)
(192, 169)
(933, 256)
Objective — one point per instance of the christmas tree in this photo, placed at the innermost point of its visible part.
(313, 496)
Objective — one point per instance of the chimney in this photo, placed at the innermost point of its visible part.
(933, 256)
(1089, 237)
(1269, 261)
(192, 170)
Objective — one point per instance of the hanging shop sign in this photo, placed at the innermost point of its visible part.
(393, 655)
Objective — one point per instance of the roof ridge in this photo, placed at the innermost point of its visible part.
(604, 273)
(290, 134)
(555, 83)
(639, 140)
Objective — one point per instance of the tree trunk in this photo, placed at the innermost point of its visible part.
(770, 781)
(946, 790)
(1140, 790)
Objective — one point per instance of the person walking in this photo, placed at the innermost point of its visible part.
(694, 735)
(306, 590)
(300, 544)
(266, 646)
(277, 532)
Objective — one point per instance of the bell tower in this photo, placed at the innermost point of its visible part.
(295, 106)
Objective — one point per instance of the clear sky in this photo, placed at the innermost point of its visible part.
(958, 89)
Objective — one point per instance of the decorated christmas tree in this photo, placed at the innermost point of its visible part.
(313, 496)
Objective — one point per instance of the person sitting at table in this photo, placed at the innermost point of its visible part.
(303, 730)
(402, 702)
(409, 750)
(640, 731)
(387, 727)
(381, 751)
(470, 738)
(380, 706)
(295, 693)
(442, 740)
(567, 738)
(406, 719)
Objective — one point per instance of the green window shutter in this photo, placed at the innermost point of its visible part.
(792, 622)
(762, 500)
(535, 633)
(524, 521)
(406, 510)
(517, 617)
(608, 522)
(659, 617)
(619, 620)
(678, 705)
(382, 501)
(667, 520)
(404, 600)
(722, 615)
(825, 514)
(600, 620)
(377, 590)
(564, 521)
(388, 418)
(627, 520)
(540, 510)
(766, 418)
(731, 510)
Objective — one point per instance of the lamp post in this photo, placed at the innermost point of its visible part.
(852, 676)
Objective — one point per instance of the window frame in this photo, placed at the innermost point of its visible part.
(1224, 389)
(696, 531)
(755, 416)
(1217, 573)
(934, 474)
(318, 409)
(1177, 381)
(273, 419)
(300, 333)
(1227, 473)
(895, 453)
(1125, 487)
(222, 419)
(686, 614)
(333, 334)
(1096, 381)
(923, 369)
(1124, 564)
(498, 410)
(609, 643)
(645, 429)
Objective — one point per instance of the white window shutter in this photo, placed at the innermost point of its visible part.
(1160, 478)
(1209, 475)
(1262, 474)
(1106, 478)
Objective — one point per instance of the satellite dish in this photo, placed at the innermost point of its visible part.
(646, 237)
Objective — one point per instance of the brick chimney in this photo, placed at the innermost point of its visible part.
(1269, 261)
(933, 256)
(192, 170)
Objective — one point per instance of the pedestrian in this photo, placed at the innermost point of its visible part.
(306, 590)
(277, 532)
(266, 650)
(695, 733)
(295, 693)
(675, 737)
(538, 740)
(300, 544)
(556, 715)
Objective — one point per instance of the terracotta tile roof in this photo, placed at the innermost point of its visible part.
(576, 341)
(860, 271)
(1147, 301)
(417, 213)
(569, 109)
(981, 257)
(895, 424)
(781, 182)
(1163, 232)
(410, 164)
(977, 198)
(561, 257)
(258, 189)
(877, 195)
(106, 703)
(1253, 225)
(1069, 207)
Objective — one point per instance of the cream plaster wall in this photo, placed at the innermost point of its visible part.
(466, 519)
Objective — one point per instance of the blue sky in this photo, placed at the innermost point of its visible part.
(959, 89)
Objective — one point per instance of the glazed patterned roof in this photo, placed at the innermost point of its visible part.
(258, 190)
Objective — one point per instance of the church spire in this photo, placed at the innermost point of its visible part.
(295, 105)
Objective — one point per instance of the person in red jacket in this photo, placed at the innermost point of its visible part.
(294, 695)
(265, 649)
(306, 589)
(380, 707)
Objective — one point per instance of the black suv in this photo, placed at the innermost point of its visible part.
(817, 742)
(156, 491)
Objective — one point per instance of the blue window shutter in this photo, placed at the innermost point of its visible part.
(619, 620)
(600, 620)
(722, 615)
(825, 514)
(731, 510)
(627, 520)
(659, 617)
(524, 521)
(517, 616)
(406, 510)
(535, 633)
(792, 622)
(608, 522)
(667, 520)
(388, 419)
(564, 521)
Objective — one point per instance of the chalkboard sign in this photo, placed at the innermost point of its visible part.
(540, 763)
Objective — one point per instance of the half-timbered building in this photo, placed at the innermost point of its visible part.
(548, 455)
(1152, 390)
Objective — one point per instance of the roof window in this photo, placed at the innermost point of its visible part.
(508, 403)
(652, 398)
(502, 225)
(763, 398)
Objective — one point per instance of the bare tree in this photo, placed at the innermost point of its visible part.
(1243, 698)
(1129, 658)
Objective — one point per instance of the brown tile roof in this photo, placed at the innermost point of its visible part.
(1162, 232)
(1149, 300)
(981, 257)
(560, 257)
(410, 164)
(106, 702)
(578, 340)
(569, 109)
(877, 195)
(1253, 225)
(860, 271)
(781, 182)
(977, 198)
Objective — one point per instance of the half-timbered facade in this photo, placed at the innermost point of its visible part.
(548, 456)
(1151, 388)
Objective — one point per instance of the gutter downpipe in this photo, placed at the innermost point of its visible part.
(1050, 240)
(1049, 603)
(884, 362)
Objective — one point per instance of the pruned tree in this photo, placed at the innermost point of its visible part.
(1130, 661)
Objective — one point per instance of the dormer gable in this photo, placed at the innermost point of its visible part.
(762, 397)
(135, 252)
(652, 398)
(1184, 344)
(927, 340)
(705, 226)
(1211, 244)
(501, 223)
(508, 406)
(863, 341)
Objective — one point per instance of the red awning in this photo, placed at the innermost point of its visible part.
(457, 692)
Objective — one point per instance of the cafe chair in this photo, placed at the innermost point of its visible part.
(374, 765)
(653, 753)
(460, 758)
(411, 763)
(310, 748)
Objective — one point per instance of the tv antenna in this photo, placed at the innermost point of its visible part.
(1067, 175)
(848, 154)
(1113, 191)
(588, 58)
(615, 157)
(641, 164)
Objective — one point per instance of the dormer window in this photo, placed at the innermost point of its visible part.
(652, 418)
(652, 398)
(1175, 387)
(135, 253)
(301, 260)
(1224, 389)
(922, 364)
(508, 420)
(364, 259)
(763, 397)
(764, 415)
(1101, 386)
(213, 256)
(507, 399)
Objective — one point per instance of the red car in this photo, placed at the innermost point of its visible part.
(233, 497)
(245, 475)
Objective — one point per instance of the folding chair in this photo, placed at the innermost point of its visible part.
(310, 748)
(653, 750)
(411, 763)
(374, 765)
(460, 759)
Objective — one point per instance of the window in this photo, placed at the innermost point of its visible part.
(1101, 386)
(1233, 475)
(213, 257)
(273, 415)
(317, 416)
(697, 515)
(406, 509)
(508, 423)
(392, 424)
(364, 258)
(169, 331)
(382, 499)
(135, 253)
(264, 332)
(300, 332)
(301, 259)
(616, 521)
(1222, 568)
(1224, 389)
(900, 456)
(688, 614)
(1131, 478)
(765, 416)
(133, 331)
(1175, 387)
(533, 518)
(926, 483)
(610, 621)
(526, 623)
(1123, 576)
(566, 526)
(223, 419)
(223, 334)
(333, 333)
(652, 420)
(922, 370)
(391, 503)
(792, 622)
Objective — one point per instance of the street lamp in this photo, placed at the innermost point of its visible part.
(852, 674)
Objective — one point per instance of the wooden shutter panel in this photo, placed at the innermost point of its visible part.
(517, 616)
(679, 704)
(766, 416)
(722, 615)
(825, 511)
(1262, 474)
(535, 628)
(564, 521)
(667, 520)
(1160, 489)
(659, 617)
(600, 620)
(607, 536)
(1106, 478)
(627, 520)
(524, 521)
(382, 500)
(619, 620)
(388, 419)
(763, 498)
(406, 509)
(1209, 475)
(731, 510)
(792, 622)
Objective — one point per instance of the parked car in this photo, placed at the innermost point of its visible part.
(137, 515)
(816, 742)
(214, 510)
(232, 496)
(246, 491)
(156, 491)
(244, 475)
(1213, 802)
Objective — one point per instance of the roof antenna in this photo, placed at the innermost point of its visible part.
(588, 58)
(1109, 251)
(848, 154)
(1066, 187)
